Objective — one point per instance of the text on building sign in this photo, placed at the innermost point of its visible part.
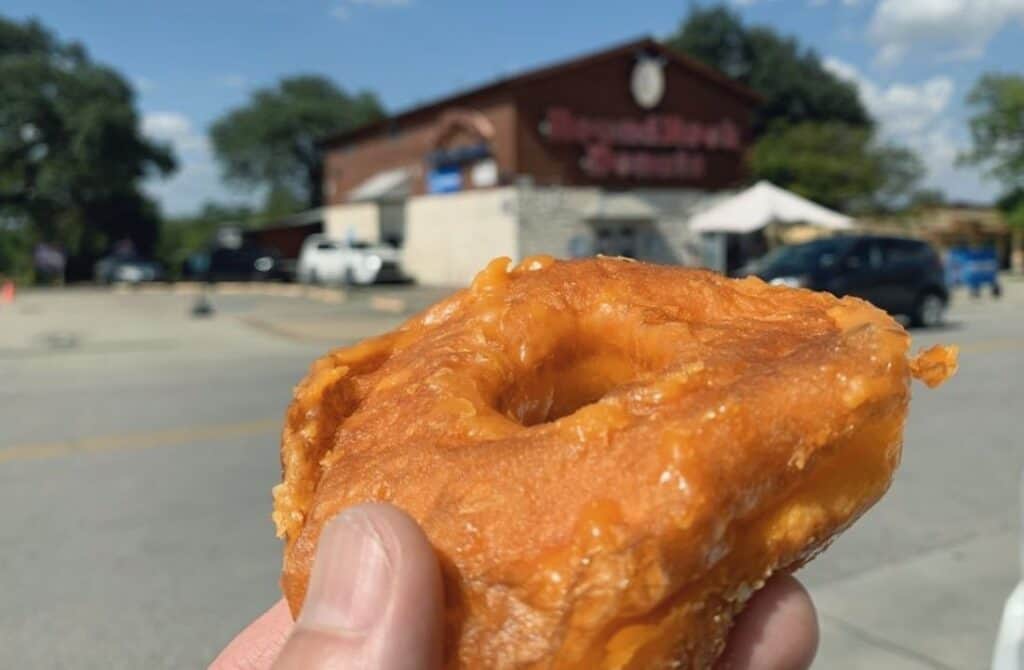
(653, 130)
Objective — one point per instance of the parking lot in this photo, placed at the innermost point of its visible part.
(139, 445)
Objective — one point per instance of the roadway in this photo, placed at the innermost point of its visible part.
(138, 446)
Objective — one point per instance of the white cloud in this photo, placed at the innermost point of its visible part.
(343, 10)
(843, 70)
(197, 179)
(900, 108)
(938, 148)
(916, 115)
(175, 129)
(955, 29)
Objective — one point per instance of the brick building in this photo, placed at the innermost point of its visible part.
(608, 153)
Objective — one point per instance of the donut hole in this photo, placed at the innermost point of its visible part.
(563, 383)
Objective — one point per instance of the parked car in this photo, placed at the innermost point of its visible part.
(323, 260)
(902, 276)
(245, 263)
(126, 268)
(195, 265)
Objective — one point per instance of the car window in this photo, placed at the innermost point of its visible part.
(875, 257)
(803, 258)
(905, 251)
(867, 255)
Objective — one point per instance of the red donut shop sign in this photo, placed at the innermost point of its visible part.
(657, 146)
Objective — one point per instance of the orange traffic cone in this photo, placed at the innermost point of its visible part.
(7, 293)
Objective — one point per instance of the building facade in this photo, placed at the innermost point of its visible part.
(608, 153)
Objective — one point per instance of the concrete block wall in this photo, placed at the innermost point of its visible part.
(550, 217)
(448, 238)
(675, 207)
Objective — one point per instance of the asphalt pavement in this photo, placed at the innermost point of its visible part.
(138, 445)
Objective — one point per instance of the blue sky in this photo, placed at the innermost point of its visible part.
(913, 60)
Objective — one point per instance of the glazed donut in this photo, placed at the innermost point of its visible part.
(609, 457)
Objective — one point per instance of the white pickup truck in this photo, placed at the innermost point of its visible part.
(324, 260)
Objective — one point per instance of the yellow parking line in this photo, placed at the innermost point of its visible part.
(178, 436)
(137, 441)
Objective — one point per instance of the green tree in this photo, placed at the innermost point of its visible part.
(814, 135)
(924, 198)
(186, 235)
(795, 85)
(72, 155)
(899, 171)
(280, 202)
(836, 165)
(1012, 206)
(15, 253)
(1012, 202)
(997, 127)
(271, 142)
(997, 144)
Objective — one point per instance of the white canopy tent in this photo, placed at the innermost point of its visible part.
(762, 204)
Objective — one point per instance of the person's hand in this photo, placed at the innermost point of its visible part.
(375, 602)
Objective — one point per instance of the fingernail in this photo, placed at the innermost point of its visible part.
(350, 585)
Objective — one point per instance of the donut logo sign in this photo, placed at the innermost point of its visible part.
(647, 83)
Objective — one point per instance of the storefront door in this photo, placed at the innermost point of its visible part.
(631, 239)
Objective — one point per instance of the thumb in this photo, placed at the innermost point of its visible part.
(374, 598)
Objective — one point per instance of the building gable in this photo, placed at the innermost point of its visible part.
(633, 115)
(641, 116)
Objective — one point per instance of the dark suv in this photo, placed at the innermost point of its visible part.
(899, 275)
(245, 263)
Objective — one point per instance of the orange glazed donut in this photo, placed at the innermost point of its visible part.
(609, 457)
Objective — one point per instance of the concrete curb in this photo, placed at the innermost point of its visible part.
(318, 293)
(388, 304)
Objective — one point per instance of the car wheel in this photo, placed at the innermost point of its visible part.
(930, 311)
